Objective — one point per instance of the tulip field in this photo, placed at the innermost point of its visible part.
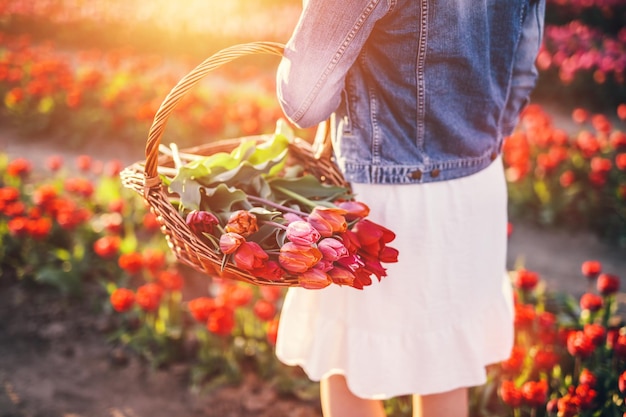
(88, 71)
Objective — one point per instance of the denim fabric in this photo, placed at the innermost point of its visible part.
(418, 90)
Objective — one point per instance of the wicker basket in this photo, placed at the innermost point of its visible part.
(145, 177)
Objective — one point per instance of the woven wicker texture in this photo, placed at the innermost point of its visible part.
(145, 177)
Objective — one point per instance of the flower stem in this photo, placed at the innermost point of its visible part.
(301, 199)
(276, 205)
(278, 225)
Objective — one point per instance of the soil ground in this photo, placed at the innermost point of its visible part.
(55, 360)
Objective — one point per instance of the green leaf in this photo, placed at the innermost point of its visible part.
(221, 198)
(309, 187)
(66, 280)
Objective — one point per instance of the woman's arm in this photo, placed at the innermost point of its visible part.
(325, 44)
(524, 75)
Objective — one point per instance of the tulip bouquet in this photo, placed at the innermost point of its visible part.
(274, 220)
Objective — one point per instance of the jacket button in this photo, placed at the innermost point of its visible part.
(416, 175)
(493, 155)
(434, 173)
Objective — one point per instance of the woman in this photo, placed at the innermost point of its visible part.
(420, 94)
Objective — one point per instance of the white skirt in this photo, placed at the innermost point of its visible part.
(442, 314)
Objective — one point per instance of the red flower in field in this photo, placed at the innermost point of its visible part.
(510, 394)
(113, 168)
(524, 315)
(270, 293)
(578, 344)
(230, 242)
(19, 167)
(242, 222)
(14, 96)
(201, 308)
(621, 382)
(567, 178)
(617, 139)
(568, 406)
(201, 222)
(587, 143)
(535, 393)
(44, 195)
(122, 299)
(54, 162)
(39, 228)
(298, 259)
(302, 233)
(526, 280)
(150, 222)
(595, 332)
(601, 165)
(116, 205)
(264, 310)
(222, 321)
(314, 279)
(250, 255)
(591, 302)
(620, 161)
(83, 162)
(621, 111)
(236, 295)
(153, 259)
(514, 363)
(619, 345)
(79, 186)
(9, 194)
(586, 396)
(171, 280)
(587, 378)
(148, 296)
(272, 332)
(579, 115)
(131, 262)
(355, 209)
(18, 226)
(591, 269)
(14, 209)
(546, 359)
(107, 246)
(601, 123)
(328, 220)
(607, 284)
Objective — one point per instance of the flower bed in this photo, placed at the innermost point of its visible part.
(72, 225)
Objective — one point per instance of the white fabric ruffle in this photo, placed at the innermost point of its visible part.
(441, 315)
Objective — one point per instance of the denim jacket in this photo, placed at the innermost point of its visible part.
(418, 90)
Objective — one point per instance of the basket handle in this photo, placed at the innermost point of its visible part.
(151, 177)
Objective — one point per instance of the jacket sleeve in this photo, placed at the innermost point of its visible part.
(324, 45)
(524, 74)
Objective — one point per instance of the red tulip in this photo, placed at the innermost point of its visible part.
(314, 279)
(510, 394)
(591, 302)
(355, 209)
(535, 393)
(230, 242)
(201, 222)
(607, 284)
(122, 299)
(332, 249)
(242, 222)
(591, 269)
(526, 280)
(302, 233)
(250, 255)
(328, 220)
(298, 259)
